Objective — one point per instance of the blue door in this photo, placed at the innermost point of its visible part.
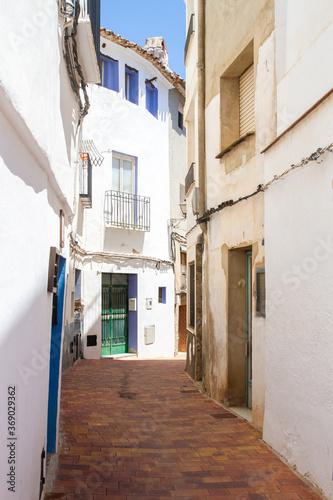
(57, 316)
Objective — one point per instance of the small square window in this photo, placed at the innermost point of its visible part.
(162, 295)
(180, 116)
(91, 340)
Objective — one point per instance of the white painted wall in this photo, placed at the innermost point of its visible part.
(34, 83)
(303, 32)
(299, 263)
(236, 227)
(37, 145)
(116, 124)
(299, 267)
(161, 315)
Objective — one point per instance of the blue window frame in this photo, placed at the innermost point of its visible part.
(152, 99)
(162, 295)
(131, 84)
(110, 73)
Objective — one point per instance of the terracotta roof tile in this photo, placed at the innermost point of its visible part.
(172, 77)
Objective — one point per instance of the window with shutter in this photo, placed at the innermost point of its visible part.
(110, 73)
(246, 102)
(131, 84)
(152, 99)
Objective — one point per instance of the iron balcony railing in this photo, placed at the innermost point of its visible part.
(189, 34)
(189, 179)
(126, 210)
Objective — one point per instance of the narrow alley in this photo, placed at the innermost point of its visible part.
(140, 429)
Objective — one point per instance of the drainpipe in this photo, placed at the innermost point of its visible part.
(201, 110)
(199, 248)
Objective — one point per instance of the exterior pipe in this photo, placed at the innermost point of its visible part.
(199, 248)
(201, 108)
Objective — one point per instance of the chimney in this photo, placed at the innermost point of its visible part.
(156, 47)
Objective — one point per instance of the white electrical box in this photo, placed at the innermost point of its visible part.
(132, 304)
(149, 303)
(149, 334)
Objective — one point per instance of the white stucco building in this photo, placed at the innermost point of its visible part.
(128, 244)
(40, 113)
(298, 236)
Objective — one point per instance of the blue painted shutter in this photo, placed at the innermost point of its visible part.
(111, 74)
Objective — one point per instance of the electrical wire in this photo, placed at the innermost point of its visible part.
(263, 187)
(73, 65)
(79, 251)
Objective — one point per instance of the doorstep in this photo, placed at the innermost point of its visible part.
(242, 411)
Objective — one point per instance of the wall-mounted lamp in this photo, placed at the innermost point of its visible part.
(183, 208)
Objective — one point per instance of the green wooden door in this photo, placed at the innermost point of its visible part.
(114, 319)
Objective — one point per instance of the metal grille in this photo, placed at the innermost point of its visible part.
(246, 102)
(261, 292)
(114, 319)
(189, 179)
(127, 210)
(89, 147)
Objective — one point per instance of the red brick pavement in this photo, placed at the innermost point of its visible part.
(140, 429)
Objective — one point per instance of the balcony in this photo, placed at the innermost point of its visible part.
(85, 180)
(128, 211)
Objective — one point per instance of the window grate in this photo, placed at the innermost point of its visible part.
(94, 155)
(261, 292)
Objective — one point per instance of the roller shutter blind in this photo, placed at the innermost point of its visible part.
(246, 102)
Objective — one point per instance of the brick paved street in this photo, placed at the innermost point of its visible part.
(140, 429)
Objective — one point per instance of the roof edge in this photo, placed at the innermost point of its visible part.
(171, 76)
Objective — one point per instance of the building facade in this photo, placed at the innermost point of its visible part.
(127, 243)
(298, 236)
(40, 115)
(258, 192)
(228, 102)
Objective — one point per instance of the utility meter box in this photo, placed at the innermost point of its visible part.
(132, 304)
(149, 303)
(149, 334)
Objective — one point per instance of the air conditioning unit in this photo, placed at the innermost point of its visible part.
(149, 334)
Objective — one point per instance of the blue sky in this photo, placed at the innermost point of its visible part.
(137, 20)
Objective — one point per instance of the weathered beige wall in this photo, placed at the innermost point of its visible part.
(230, 28)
